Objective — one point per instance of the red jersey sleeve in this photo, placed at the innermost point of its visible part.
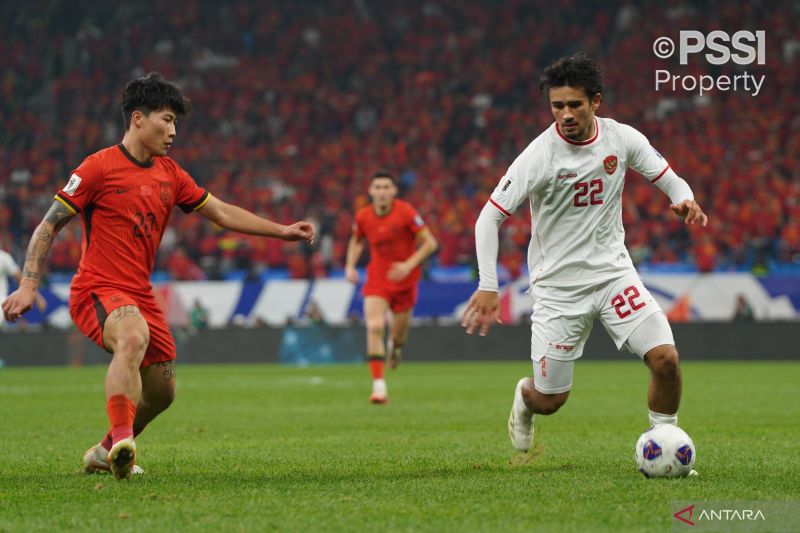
(415, 222)
(190, 196)
(358, 228)
(82, 186)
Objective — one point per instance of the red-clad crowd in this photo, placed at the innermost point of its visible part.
(296, 104)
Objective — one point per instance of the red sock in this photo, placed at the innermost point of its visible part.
(376, 366)
(121, 412)
(108, 441)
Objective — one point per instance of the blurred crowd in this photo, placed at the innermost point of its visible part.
(296, 104)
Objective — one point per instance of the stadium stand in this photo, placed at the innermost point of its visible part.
(297, 103)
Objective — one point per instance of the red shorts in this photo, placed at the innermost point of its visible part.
(89, 310)
(400, 301)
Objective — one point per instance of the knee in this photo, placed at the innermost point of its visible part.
(133, 340)
(376, 327)
(663, 360)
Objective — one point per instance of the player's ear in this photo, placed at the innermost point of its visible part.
(596, 99)
(136, 118)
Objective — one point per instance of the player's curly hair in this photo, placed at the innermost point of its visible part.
(577, 70)
(151, 93)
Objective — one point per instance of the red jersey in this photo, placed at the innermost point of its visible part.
(391, 238)
(125, 206)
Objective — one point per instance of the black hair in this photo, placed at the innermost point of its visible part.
(383, 174)
(577, 70)
(152, 93)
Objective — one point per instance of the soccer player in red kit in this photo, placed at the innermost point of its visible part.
(125, 195)
(398, 242)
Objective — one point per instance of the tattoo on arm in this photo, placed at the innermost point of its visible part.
(169, 369)
(58, 215)
(41, 241)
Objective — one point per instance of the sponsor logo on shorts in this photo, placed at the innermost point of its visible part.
(543, 366)
(565, 347)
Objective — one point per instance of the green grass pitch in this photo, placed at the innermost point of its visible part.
(267, 447)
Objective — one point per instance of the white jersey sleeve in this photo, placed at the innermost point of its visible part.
(524, 177)
(642, 157)
(646, 160)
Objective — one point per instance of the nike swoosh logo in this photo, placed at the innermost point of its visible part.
(120, 190)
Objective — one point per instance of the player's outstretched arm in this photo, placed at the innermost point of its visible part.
(426, 245)
(235, 218)
(21, 300)
(354, 248)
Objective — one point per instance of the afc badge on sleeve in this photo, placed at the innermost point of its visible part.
(72, 184)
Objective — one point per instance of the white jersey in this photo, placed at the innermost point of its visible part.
(575, 194)
(7, 268)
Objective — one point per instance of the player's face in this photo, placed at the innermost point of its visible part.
(157, 130)
(382, 191)
(573, 111)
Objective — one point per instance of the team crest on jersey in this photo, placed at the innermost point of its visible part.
(610, 164)
(165, 194)
(72, 184)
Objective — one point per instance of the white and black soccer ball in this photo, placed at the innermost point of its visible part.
(665, 451)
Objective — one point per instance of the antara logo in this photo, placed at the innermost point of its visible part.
(679, 515)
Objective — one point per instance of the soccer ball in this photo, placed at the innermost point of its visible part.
(665, 451)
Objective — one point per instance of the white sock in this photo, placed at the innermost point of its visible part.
(519, 403)
(658, 418)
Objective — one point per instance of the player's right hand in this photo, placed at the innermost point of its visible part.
(483, 310)
(20, 301)
(351, 274)
(299, 231)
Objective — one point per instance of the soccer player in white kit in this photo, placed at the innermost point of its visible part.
(572, 176)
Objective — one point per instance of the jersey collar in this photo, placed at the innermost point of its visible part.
(132, 159)
(581, 143)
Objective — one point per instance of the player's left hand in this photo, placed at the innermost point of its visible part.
(690, 212)
(483, 309)
(299, 231)
(399, 271)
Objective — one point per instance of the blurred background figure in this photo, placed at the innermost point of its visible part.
(198, 315)
(744, 311)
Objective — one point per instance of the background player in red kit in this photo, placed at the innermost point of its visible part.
(398, 242)
(125, 195)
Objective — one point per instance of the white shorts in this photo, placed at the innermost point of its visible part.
(563, 317)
